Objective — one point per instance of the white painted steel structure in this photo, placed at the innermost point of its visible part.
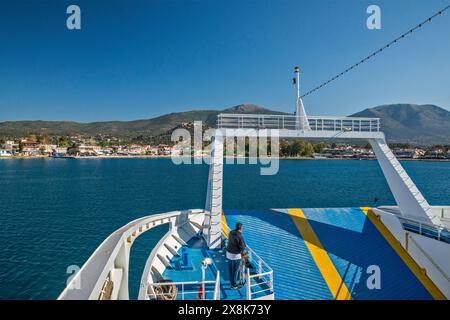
(110, 261)
(410, 200)
(105, 274)
(300, 113)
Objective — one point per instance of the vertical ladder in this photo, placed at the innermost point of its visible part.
(212, 226)
(408, 197)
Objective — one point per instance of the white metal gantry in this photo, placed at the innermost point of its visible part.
(410, 200)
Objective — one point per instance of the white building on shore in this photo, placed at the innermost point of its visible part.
(5, 153)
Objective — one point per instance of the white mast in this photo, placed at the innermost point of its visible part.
(301, 122)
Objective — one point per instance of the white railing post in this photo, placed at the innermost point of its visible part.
(249, 287)
(271, 281)
(217, 287)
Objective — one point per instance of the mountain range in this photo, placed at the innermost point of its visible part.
(402, 123)
(410, 123)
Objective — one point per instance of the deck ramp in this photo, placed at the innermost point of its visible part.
(354, 244)
(347, 239)
(274, 237)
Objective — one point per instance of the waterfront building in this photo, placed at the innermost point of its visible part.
(5, 153)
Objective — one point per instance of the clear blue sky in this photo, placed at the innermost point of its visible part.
(139, 59)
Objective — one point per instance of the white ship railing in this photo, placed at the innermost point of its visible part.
(259, 284)
(424, 253)
(290, 122)
(429, 260)
(188, 290)
(112, 257)
(426, 229)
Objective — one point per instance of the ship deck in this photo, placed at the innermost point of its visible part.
(190, 274)
(331, 254)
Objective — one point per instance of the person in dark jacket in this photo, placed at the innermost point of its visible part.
(235, 252)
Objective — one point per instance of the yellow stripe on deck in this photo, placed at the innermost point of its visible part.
(334, 281)
(225, 228)
(404, 255)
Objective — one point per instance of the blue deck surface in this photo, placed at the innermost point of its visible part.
(351, 241)
(353, 244)
(275, 238)
(197, 251)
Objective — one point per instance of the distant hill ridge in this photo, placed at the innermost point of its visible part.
(402, 123)
(412, 123)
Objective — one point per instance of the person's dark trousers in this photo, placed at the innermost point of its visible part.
(235, 279)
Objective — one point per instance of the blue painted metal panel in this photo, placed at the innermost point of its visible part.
(275, 238)
(353, 244)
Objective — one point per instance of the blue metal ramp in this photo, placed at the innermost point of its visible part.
(274, 237)
(330, 254)
(357, 248)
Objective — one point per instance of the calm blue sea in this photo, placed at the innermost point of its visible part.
(55, 212)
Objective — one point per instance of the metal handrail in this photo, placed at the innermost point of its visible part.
(249, 115)
(444, 274)
(424, 224)
(334, 124)
(261, 263)
(182, 284)
(261, 274)
(250, 250)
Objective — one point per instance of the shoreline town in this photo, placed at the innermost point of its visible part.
(31, 149)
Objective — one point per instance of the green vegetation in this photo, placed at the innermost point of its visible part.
(298, 148)
(63, 141)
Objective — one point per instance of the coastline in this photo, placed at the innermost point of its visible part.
(169, 156)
